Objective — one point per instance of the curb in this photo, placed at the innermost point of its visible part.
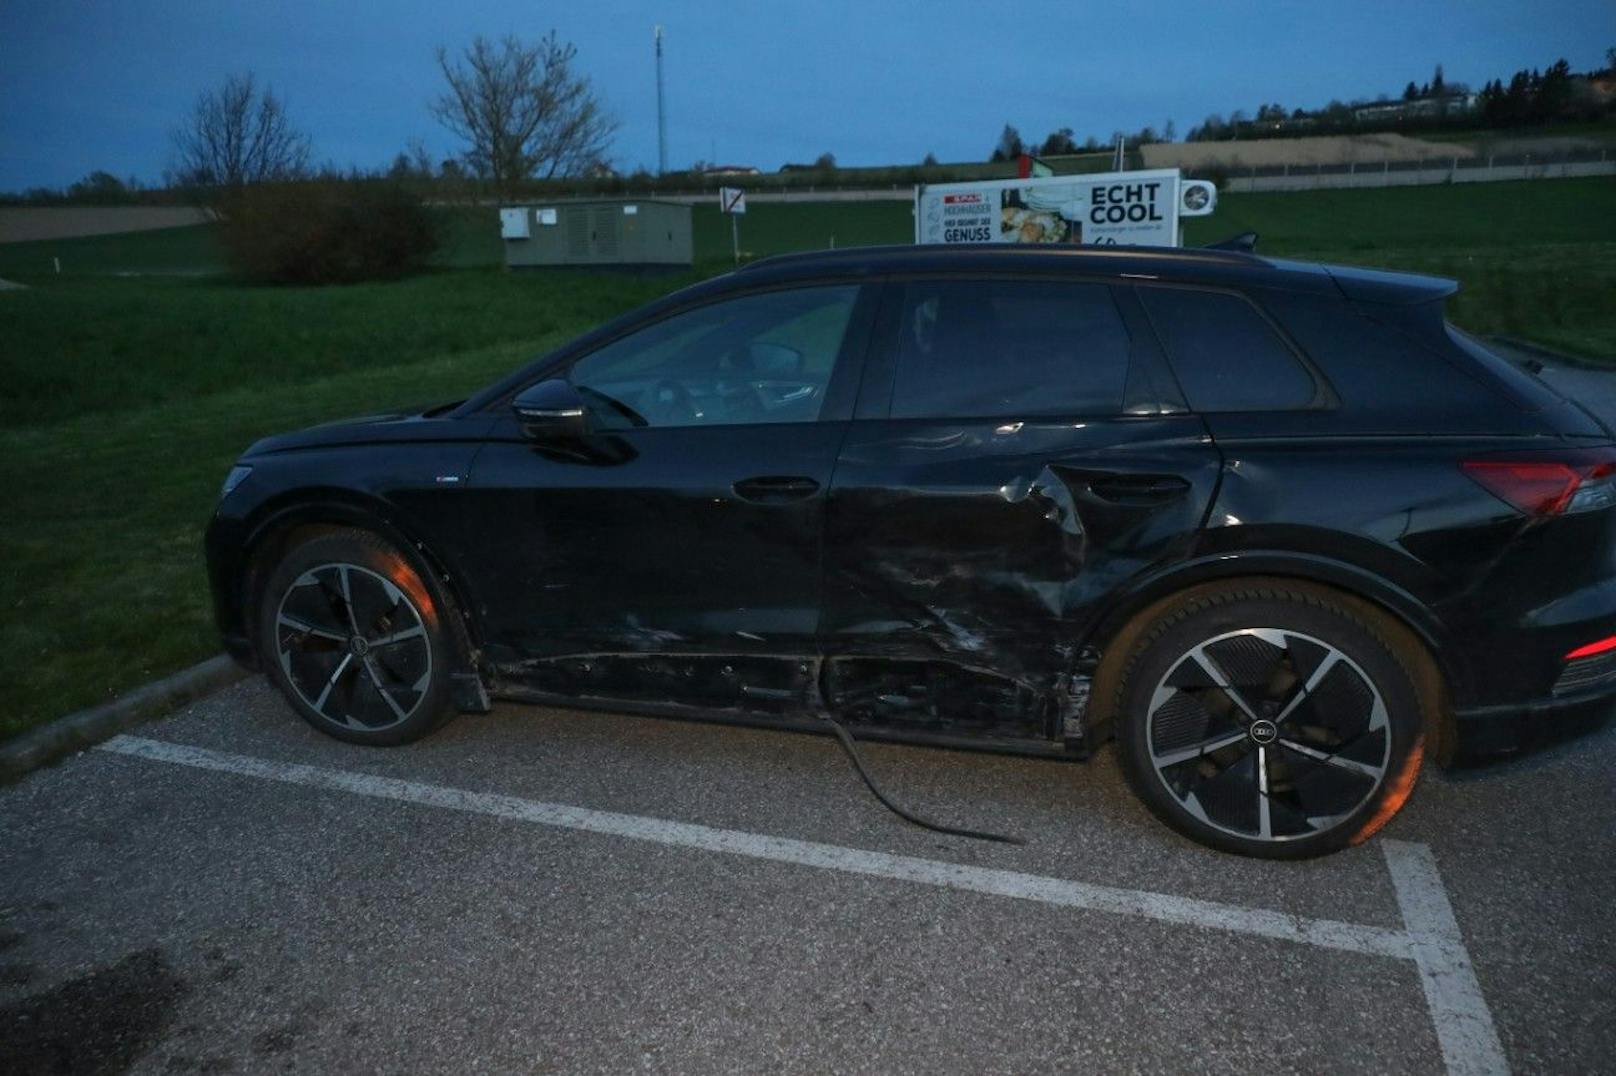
(86, 728)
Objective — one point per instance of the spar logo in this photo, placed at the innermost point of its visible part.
(974, 198)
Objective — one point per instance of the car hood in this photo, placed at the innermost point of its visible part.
(407, 424)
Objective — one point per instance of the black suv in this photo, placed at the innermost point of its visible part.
(1277, 528)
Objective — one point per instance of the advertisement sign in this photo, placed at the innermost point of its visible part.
(1135, 208)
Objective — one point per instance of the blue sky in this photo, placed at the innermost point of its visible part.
(87, 85)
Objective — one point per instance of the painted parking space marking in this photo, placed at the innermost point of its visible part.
(1467, 1036)
(1430, 938)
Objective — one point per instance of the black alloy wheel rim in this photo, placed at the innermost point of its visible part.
(1268, 734)
(353, 646)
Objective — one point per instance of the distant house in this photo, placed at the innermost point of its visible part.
(731, 170)
(1384, 110)
(1447, 104)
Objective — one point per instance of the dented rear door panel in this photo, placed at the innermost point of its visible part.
(964, 560)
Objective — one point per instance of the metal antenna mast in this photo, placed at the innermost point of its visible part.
(661, 116)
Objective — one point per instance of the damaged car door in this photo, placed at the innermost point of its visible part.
(668, 553)
(1019, 452)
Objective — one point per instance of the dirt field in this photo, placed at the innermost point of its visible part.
(1331, 149)
(21, 224)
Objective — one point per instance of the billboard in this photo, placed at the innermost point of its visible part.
(1110, 208)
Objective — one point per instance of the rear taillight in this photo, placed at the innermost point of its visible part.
(1550, 485)
(1603, 646)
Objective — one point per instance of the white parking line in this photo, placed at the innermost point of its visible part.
(1464, 1027)
(1432, 941)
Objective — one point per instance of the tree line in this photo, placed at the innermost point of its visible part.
(1062, 142)
(1530, 97)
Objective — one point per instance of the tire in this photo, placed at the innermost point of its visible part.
(1270, 720)
(354, 637)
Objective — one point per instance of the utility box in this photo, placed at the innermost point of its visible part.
(608, 234)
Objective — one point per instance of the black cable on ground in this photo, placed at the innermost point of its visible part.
(851, 747)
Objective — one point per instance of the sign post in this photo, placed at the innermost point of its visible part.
(732, 200)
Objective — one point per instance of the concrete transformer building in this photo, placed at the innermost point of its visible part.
(625, 234)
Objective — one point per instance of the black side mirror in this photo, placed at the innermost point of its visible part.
(551, 411)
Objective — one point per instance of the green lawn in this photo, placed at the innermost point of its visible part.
(123, 400)
(78, 346)
(1600, 130)
(1535, 260)
(188, 250)
(1443, 216)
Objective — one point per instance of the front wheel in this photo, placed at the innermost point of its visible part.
(355, 640)
(1271, 721)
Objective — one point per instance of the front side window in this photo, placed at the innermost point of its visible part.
(1008, 349)
(1226, 355)
(760, 358)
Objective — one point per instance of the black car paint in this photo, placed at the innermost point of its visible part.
(948, 580)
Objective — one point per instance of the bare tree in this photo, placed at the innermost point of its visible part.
(522, 109)
(238, 134)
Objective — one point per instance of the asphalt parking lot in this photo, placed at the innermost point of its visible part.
(541, 890)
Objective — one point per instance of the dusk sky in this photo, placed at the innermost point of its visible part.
(88, 85)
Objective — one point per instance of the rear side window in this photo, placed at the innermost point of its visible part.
(1383, 376)
(1007, 349)
(1226, 355)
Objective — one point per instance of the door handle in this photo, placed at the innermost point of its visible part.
(1139, 488)
(767, 489)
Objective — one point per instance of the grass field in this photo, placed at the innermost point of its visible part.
(471, 240)
(1602, 131)
(1536, 260)
(123, 400)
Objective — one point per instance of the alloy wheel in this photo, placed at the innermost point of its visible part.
(1268, 733)
(353, 646)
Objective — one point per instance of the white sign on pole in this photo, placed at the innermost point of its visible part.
(732, 199)
(513, 223)
(1137, 208)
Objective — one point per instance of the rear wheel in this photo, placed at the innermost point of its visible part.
(1272, 721)
(352, 636)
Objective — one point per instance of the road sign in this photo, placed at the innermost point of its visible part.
(732, 200)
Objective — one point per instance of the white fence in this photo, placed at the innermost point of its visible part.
(1416, 173)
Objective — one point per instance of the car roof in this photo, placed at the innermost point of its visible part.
(1181, 265)
(1186, 265)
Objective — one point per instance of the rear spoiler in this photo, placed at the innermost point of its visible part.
(1244, 243)
(1385, 286)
